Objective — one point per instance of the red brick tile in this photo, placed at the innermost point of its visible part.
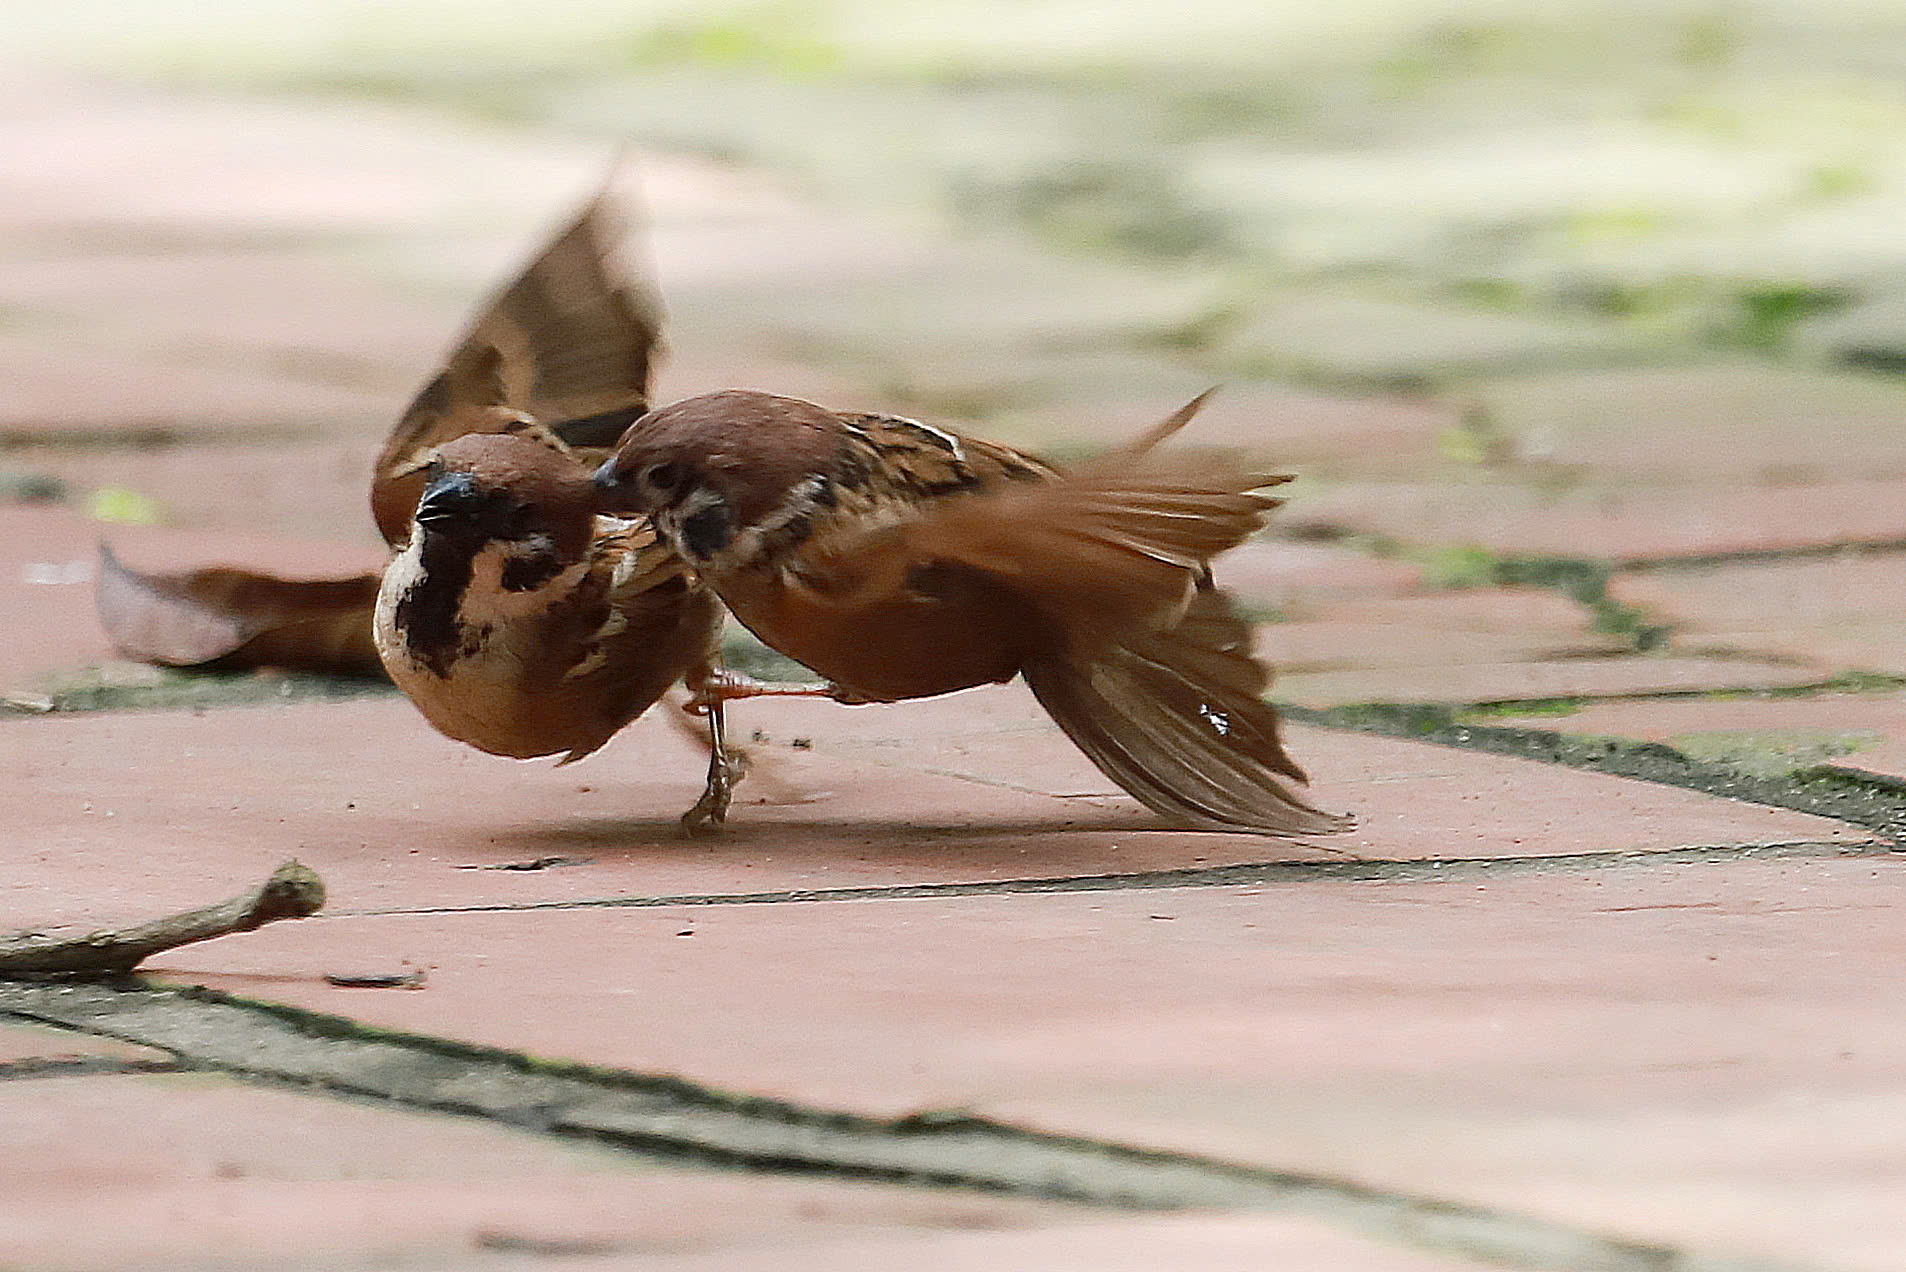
(47, 560)
(1841, 612)
(1291, 429)
(1597, 518)
(1209, 1243)
(1862, 731)
(28, 1042)
(1736, 421)
(954, 789)
(1516, 681)
(319, 313)
(55, 388)
(311, 490)
(1282, 575)
(1703, 1054)
(1350, 336)
(1487, 629)
(83, 159)
(113, 1172)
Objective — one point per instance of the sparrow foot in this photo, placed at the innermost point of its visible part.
(710, 812)
(725, 768)
(716, 687)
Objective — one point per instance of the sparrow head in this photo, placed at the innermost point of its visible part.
(534, 503)
(719, 472)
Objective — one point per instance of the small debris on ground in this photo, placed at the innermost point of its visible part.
(412, 979)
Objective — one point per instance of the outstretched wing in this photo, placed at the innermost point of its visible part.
(225, 617)
(571, 342)
(1117, 543)
(572, 339)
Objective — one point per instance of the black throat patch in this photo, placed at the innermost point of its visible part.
(427, 612)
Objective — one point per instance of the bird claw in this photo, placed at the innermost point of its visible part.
(710, 812)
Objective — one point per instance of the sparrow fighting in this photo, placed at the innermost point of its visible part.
(529, 610)
(515, 619)
(899, 560)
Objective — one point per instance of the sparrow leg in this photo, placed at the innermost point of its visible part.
(707, 692)
(711, 810)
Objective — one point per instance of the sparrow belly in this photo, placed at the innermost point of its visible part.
(911, 645)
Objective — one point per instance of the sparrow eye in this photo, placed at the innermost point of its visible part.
(666, 477)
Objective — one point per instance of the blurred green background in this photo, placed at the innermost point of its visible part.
(1677, 174)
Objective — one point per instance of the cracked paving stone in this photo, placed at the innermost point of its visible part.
(943, 1148)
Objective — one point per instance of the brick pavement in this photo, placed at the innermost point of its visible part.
(1524, 1016)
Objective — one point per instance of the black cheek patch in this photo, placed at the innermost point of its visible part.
(706, 533)
(523, 574)
(532, 569)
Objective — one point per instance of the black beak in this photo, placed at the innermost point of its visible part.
(450, 498)
(616, 493)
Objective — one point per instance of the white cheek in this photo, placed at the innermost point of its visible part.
(669, 520)
(486, 599)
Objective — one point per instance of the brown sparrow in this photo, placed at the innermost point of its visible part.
(514, 618)
(901, 561)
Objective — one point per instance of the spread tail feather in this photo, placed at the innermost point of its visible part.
(1175, 717)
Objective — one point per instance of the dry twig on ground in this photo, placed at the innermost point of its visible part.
(293, 891)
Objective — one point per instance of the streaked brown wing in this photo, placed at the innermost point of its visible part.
(661, 627)
(224, 617)
(571, 341)
(1114, 543)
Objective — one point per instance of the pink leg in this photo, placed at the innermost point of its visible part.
(715, 687)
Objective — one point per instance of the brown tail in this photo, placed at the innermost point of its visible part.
(1176, 719)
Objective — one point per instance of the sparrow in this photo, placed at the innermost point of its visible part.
(899, 560)
(513, 617)
(520, 623)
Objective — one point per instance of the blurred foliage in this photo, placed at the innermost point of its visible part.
(118, 505)
(780, 38)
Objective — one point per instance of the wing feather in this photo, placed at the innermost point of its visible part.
(225, 617)
(1115, 544)
(1175, 717)
(572, 341)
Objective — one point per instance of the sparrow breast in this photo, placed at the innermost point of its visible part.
(518, 621)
